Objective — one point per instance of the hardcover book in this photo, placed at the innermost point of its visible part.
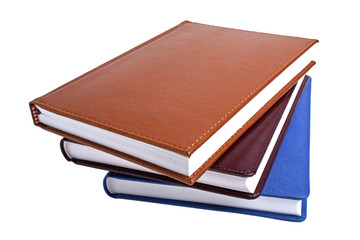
(284, 195)
(177, 102)
(241, 171)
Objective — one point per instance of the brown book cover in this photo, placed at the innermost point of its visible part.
(178, 92)
(242, 158)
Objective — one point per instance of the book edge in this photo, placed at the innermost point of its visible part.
(171, 146)
(203, 206)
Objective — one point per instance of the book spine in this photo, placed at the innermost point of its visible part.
(35, 113)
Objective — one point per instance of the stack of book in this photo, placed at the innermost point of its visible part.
(198, 116)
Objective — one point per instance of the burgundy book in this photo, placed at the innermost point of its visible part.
(241, 171)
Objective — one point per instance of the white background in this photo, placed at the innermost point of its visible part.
(44, 45)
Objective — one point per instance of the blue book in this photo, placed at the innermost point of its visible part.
(284, 195)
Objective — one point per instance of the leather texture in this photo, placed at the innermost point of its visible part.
(177, 89)
(244, 156)
(289, 176)
(235, 155)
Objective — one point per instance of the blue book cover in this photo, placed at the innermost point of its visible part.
(288, 178)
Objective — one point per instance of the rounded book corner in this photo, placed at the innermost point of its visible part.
(63, 151)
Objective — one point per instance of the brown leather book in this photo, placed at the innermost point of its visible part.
(177, 102)
(241, 171)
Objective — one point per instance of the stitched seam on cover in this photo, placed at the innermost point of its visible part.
(235, 29)
(274, 125)
(280, 112)
(203, 165)
(204, 134)
(250, 94)
(257, 113)
(111, 126)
